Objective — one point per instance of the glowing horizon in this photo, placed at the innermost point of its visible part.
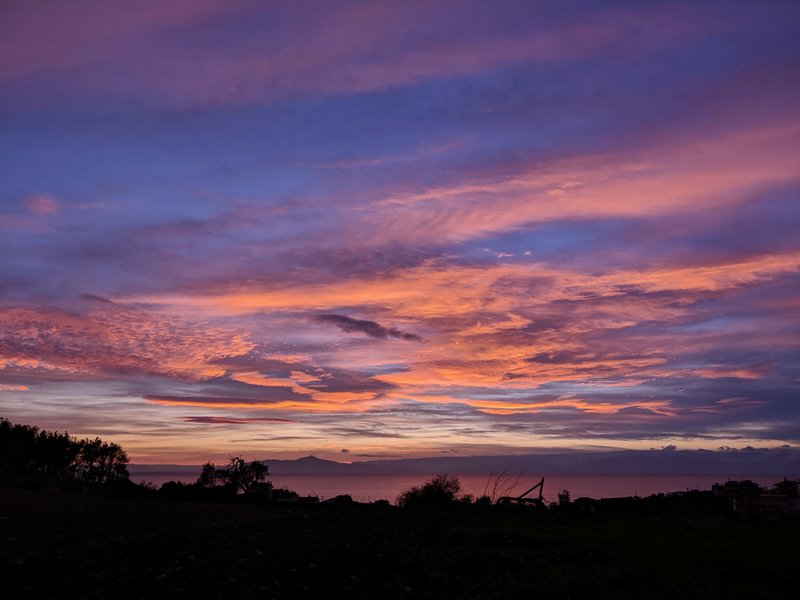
(400, 229)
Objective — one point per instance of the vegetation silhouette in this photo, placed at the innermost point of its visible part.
(239, 480)
(26, 451)
(238, 537)
(238, 474)
(499, 485)
(442, 490)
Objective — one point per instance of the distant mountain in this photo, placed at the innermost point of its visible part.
(775, 461)
(750, 461)
(782, 461)
(311, 465)
(308, 465)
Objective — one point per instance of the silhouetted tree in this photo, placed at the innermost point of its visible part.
(17, 447)
(441, 490)
(26, 449)
(210, 476)
(246, 476)
(238, 474)
(99, 462)
(55, 452)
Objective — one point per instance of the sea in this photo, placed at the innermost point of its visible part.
(368, 488)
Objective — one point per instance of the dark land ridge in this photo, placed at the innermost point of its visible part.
(666, 461)
(96, 545)
(74, 526)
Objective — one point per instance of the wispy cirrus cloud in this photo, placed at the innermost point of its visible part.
(687, 177)
(278, 400)
(438, 289)
(345, 50)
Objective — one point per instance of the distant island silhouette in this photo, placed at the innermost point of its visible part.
(784, 460)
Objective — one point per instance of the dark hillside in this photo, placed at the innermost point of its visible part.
(80, 545)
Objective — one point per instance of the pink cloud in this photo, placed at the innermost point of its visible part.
(353, 48)
(669, 176)
(109, 339)
(40, 205)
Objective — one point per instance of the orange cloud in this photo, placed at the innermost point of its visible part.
(436, 289)
(323, 403)
(112, 339)
(523, 406)
(483, 323)
(687, 176)
(4, 387)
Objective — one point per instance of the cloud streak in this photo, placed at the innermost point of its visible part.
(369, 328)
(345, 49)
(210, 420)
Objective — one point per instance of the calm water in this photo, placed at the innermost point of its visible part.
(366, 488)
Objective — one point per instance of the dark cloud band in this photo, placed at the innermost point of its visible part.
(370, 328)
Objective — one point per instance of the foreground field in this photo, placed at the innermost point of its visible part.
(57, 545)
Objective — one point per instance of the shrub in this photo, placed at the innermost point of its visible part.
(440, 491)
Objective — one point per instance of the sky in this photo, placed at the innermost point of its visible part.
(389, 229)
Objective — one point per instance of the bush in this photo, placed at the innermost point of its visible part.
(440, 491)
(195, 492)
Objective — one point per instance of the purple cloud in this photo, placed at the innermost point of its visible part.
(370, 328)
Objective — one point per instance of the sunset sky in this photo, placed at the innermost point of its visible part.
(385, 229)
